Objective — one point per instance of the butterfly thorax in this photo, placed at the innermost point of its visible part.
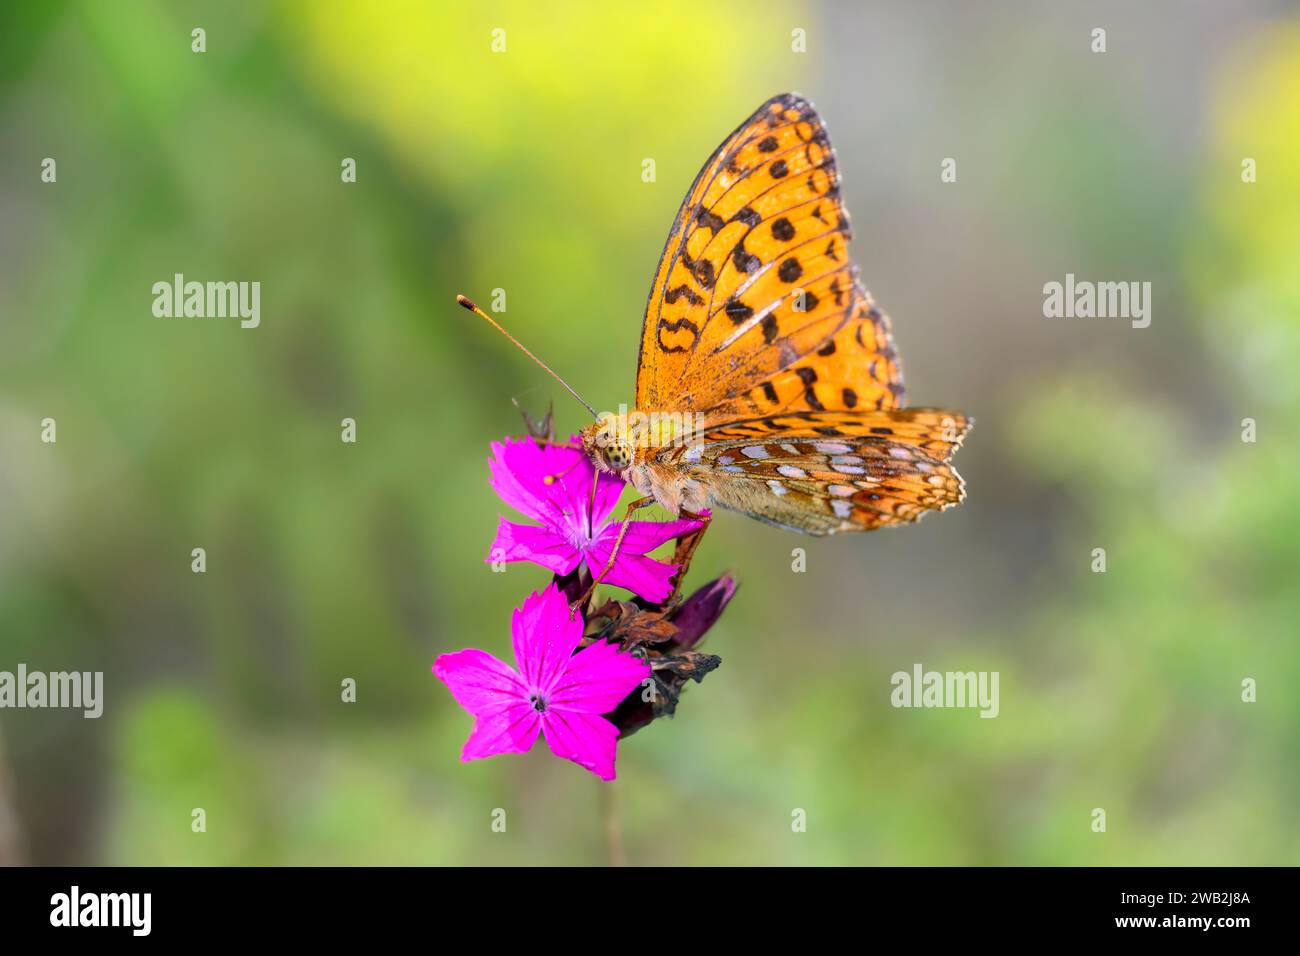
(631, 445)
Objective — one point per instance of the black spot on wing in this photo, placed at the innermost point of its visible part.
(702, 269)
(737, 311)
(808, 376)
(679, 325)
(709, 220)
(746, 262)
(683, 291)
(839, 295)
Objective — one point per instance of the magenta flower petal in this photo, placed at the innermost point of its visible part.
(510, 731)
(608, 490)
(586, 739)
(480, 682)
(632, 569)
(518, 485)
(528, 542)
(641, 575)
(642, 537)
(555, 691)
(552, 484)
(548, 483)
(597, 679)
(545, 637)
(492, 691)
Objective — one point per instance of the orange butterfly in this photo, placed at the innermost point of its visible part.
(768, 383)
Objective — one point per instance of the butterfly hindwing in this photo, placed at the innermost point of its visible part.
(756, 306)
(822, 473)
(934, 432)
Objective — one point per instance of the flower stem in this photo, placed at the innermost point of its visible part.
(613, 825)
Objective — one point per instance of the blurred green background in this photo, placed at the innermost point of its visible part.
(521, 170)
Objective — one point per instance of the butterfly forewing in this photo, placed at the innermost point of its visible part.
(756, 305)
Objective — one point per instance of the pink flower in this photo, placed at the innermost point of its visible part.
(552, 485)
(555, 692)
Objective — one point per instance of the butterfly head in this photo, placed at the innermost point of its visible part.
(607, 445)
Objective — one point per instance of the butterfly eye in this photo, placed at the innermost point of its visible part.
(617, 457)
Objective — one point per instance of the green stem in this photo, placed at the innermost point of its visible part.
(613, 824)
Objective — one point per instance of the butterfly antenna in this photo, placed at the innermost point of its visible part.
(465, 303)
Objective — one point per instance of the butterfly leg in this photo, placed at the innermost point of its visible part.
(613, 555)
(686, 551)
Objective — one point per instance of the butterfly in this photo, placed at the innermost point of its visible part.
(768, 383)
